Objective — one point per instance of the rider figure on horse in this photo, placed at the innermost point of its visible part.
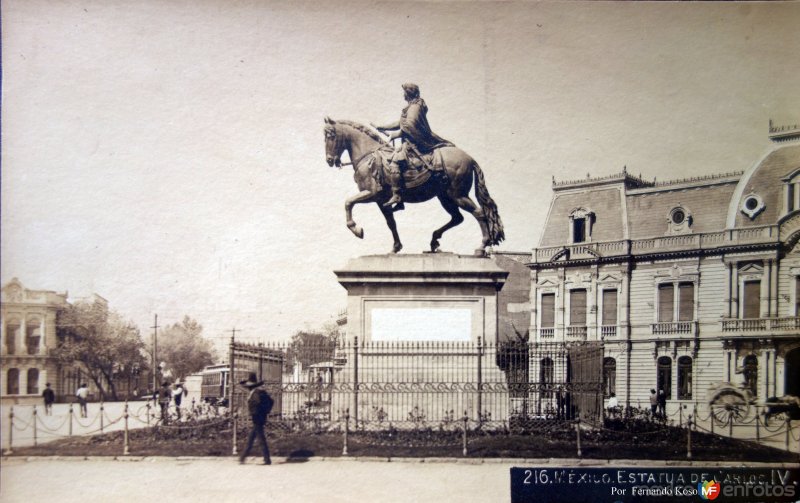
(415, 134)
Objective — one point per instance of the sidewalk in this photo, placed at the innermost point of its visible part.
(81, 480)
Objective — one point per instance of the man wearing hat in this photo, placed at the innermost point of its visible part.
(259, 403)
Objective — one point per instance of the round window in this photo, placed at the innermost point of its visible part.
(751, 203)
(678, 216)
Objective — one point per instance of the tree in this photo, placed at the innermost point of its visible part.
(184, 349)
(309, 347)
(108, 347)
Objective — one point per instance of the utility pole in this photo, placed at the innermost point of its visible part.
(155, 350)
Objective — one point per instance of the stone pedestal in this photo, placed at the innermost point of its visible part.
(419, 339)
(422, 298)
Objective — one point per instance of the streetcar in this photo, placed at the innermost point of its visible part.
(214, 384)
(216, 379)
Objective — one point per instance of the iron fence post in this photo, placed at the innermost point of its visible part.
(480, 380)
(148, 412)
(10, 430)
(689, 438)
(578, 434)
(346, 428)
(355, 380)
(34, 426)
(758, 426)
(126, 445)
(70, 419)
(466, 419)
(101, 417)
(234, 450)
(788, 429)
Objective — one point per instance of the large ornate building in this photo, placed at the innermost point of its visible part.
(688, 282)
(27, 338)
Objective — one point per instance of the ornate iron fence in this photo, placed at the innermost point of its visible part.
(417, 385)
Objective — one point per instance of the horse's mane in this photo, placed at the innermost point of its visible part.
(364, 129)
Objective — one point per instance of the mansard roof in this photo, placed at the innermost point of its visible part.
(765, 179)
(623, 206)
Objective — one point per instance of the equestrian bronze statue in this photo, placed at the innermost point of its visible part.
(421, 170)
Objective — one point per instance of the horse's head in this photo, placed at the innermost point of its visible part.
(334, 144)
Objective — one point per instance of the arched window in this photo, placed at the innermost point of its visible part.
(664, 376)
(33, 335)
(609, 376)
(12, 382)
(685, 378)
(751, 374)
(12, 334)
(33, 381)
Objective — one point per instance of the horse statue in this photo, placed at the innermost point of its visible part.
(451, 184)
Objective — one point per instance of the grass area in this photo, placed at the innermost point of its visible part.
(555, 442)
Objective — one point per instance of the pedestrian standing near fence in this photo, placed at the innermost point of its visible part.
(613, 405)
(653, 402)
(49, 397)
(177, 396)
(83, 395)
(164, 398)
(259, 404)
(662, 403)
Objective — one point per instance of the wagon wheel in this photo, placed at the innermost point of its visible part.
(729, 406)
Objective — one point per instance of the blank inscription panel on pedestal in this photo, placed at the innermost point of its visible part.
(421, 324)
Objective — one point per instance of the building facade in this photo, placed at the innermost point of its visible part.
(27, 338)
(688, 283)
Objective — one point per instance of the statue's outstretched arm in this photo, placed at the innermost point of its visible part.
(388, 127)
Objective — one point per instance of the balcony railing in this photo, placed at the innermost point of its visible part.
(672, 327)
(761, 324)
(547, 333)
(577, 332)
(608, 330)
(704, 241)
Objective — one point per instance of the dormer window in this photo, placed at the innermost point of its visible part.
(580, 223)
(791, 192)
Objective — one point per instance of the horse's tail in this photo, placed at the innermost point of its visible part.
(493, 222)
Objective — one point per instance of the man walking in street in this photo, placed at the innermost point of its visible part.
(83, 395)
(49, 397)
(259, 404)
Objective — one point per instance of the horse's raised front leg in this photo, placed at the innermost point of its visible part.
(455, 218)
(388, 214)
(365, 196)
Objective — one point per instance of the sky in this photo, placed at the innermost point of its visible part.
(169, 155)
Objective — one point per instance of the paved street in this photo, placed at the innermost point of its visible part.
(219, 480)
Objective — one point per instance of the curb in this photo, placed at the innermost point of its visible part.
(556, 462)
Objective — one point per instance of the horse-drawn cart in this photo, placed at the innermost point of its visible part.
(729, 403)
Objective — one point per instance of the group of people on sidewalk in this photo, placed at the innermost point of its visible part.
(166, 395)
